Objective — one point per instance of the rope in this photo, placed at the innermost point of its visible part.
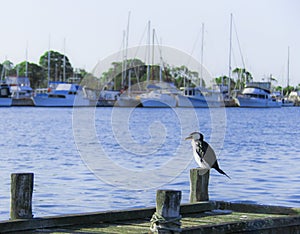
(158, 222)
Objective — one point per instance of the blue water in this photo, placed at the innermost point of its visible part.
(258, 148)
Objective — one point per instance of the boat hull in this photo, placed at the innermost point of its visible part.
(152, 103)
(126, 101)
(108, 98)
(196, 102)
(258, 103)
(5, 102)
(156, 99)
(46, 101)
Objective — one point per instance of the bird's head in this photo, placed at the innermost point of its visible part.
(196, 136)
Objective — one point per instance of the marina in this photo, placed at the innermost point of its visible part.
(254, 95)
(166, 117)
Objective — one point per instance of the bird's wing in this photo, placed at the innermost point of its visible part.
(209, 154)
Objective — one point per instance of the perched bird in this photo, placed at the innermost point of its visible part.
(203, 153)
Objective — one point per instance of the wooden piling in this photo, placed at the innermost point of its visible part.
(167, 217)
(198, 185)
(21, 196)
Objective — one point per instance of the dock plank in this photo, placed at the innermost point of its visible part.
(207, 217)
(234, 220)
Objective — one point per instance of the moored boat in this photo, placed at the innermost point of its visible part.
(294, 96)
(258, 94)
(108, 98)
(20, 89)
(160, 95)
(5, 95)
(64, 95)
(199, 97)
(287, 103)
(157, 98)
(126, 100)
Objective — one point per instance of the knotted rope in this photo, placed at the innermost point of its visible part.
(158, 222)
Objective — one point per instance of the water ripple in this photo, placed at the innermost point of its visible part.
(260, 153)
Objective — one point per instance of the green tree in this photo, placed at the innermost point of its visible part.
(223, 81)
(36, 74)
(135, 67)
(90, 82)
(1, 72)
(8, 69)
(287, 90)
(182, 75)
(243, 77)
(56, 66)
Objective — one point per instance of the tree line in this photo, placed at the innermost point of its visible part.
(59, 69)
(116, 77)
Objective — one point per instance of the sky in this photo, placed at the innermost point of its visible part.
(88, 31)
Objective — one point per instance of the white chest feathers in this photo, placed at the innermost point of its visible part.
(200, 161)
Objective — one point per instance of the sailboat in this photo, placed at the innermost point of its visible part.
(286, 102)
(127, 98)
(159, 94)
(229, 101)
(64, 94)
(199, 97)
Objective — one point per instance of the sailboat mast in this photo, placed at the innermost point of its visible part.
(64, 71)
(153, 37)
(125, 43)
(201, 69)
(148, 51)
(49, 61)
(26, 65)
(288, 68)
(123, 58)
(230, 48)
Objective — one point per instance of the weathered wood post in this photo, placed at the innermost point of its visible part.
(199, 180)
(21, 196)
(167, 217)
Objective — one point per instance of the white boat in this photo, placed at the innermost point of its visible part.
(258, 94)
(20, 89)
(125, 100)
(287, 102)
(158, 98)
(108, 98)
(160, 95)
(294, 96)
(5, 95)
(64, 95)
(199, 97)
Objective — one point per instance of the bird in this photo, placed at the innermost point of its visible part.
(203, 153)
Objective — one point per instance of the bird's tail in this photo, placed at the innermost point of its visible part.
(218, 169)
(222, 172)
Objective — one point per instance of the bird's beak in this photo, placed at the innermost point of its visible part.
(188, 138)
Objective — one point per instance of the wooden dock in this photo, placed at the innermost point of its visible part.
(202, 217)
(169, 216)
